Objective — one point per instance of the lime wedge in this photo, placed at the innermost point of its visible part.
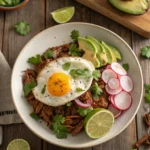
(63, 15)
(98, 122)
(18, 144)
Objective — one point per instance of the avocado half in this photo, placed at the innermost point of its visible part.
(134, 7)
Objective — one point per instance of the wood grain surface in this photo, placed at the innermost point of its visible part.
(37, 13)
(139, 24)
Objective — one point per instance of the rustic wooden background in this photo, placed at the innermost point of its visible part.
(37, 13)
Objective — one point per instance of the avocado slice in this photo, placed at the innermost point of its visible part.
(135, 7)
(110, 55)
(116, 52)
(90, 51)
(101, 54)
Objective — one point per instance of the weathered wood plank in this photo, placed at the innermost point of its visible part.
(1, 28)
(138, 43)
(126, 139)
(13, 43)
(85, 17)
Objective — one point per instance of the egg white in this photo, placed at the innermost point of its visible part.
(56, 66)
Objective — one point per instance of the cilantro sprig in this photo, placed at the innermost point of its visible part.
(60, 130)
(69, 104)
(147, 92)
(27, 88)
(80, 73)
(34, 116)
(35, 60)
(22, 28)
(74, 50)
(49, 54)
(96, 90)
(126, 66)
(79, 90)
(84, 111)
(145, 51)
(96, 74)
(74, 35)
(66, 66)
(43, 89)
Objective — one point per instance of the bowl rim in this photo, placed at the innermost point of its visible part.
(99, 27)
(22, 4)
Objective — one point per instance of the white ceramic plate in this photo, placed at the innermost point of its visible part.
(58, 35)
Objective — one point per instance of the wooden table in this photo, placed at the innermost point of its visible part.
(37, 13)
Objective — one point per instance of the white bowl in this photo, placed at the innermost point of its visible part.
(58, 35)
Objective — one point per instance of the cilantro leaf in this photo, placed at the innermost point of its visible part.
(96, 90)
(80, 73)
(22, 27)
(34, 116)
(74, 35)
(60, 130)
(66, 66)
(79, 90)
(147, 87)
(126, 66)
(69, 104)
(84, 111)
(145, 51)
(27, 88)
(96, 74)
(147, 97)
(35, 60)
(48, 54)
(43, 89)
(147, 92)
(74, 50)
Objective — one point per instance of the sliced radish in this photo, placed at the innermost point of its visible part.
(108, 67)
(123, 100)
(116, 112)
(126, 83)
(116, 67)
(112, 101)
(108, 74)
(112, 92)
(113, 83)
(119, 76)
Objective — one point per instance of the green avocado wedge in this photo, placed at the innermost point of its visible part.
(116, 52)
(101, 54)
(134, 7)
(110, 55)
(90, 51)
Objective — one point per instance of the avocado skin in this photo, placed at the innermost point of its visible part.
(119, 4)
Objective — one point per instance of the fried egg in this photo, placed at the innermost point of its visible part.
(55, 85)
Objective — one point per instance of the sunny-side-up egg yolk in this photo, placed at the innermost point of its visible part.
(59, 84)
(56, 86)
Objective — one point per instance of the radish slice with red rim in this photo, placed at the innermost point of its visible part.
(112, 101)
(126, 83)
(113, 83)
(112, 92)
(116, 67)
(116, 112)
(107, 74)
(123, 100)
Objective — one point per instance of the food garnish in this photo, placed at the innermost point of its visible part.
(147, 92)
(35, 60)
(145, 51)
(84, 105)
(84, 111)
(96, 90)
(34, 116)
(126, 66)
(74, 35)
(96, 74)
(22, 28)
(59, 129)
(79, 90)
(74, 50)
(66, 66)
(27, 88)
(49, 54)
(69, 104)
(43, 90)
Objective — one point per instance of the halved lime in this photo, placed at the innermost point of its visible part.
(18, 144)
(98, 122)
(63, 15)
